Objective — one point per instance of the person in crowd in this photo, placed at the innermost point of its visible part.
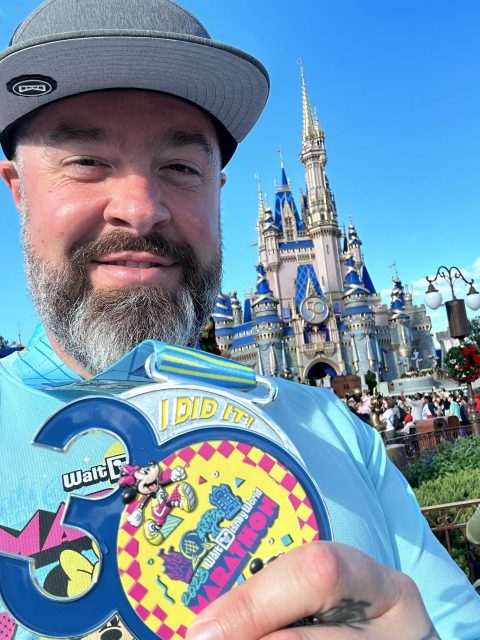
(445, 402)
(454, 407)
(464, 415)
(364, 407)
(428, 409)
(416, 404)
(391, 418)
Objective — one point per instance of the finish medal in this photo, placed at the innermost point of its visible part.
(211, 490)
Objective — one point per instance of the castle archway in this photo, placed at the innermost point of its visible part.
(318, 372)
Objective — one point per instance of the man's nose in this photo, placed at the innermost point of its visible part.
(137, 203)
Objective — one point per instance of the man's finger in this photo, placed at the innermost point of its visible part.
(334, 582)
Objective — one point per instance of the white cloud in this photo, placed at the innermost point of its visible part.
(386, 295)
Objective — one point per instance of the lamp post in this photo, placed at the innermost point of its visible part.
(457, 318)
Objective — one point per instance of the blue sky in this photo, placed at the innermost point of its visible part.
(397, 89)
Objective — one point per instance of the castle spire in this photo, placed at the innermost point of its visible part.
(261, 204)
(354, 244)
(397, 304)
(322, 220)
(284, 184)
(311, 127)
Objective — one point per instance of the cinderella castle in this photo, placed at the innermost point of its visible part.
(315, 313)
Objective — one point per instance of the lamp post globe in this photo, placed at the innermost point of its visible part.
(432, 297)
(473, 299)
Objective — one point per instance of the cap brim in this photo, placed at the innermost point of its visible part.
(228, 84)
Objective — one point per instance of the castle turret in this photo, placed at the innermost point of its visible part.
(397, 303)
(359, 343)
(402, 337)
(268, 327)
(223, 318)
(354, 245)
(236, 309)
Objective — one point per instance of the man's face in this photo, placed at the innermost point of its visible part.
(119, 193)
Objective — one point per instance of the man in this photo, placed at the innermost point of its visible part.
(117, 119)
(417, 405)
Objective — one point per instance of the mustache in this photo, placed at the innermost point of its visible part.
(155, 243)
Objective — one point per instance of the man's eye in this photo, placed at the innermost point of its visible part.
(80, 162)
(87, 162)
(182, 168)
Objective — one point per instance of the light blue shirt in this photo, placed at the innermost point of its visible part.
(370, 505)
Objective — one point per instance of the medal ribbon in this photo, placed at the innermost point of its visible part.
(39, 366)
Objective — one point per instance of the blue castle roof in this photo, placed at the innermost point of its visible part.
(352, 311)
(306, 277)
(397, 305)
(353, 236)
(367, 281)
(263, 293)
(353, 282)
(247, 310)
(245, 327)
(272, 317)
(269, 222)
(243, 341)
(223, 308)
(283, 196)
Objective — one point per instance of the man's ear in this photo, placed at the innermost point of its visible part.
(223, 179)
(9, 174)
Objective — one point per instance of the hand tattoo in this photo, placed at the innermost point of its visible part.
(347, 613)
(350, 614)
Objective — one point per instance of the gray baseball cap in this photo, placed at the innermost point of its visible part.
(69, 47)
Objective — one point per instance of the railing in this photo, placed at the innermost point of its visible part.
(418, 442)
(445, 518)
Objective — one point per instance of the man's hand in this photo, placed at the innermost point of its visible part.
(344, 593)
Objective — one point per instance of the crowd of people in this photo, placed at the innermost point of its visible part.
(397, 415)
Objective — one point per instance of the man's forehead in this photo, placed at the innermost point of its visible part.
(115, 115)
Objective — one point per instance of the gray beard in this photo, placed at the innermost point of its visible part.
(97, 328)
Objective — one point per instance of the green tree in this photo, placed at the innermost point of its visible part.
(474, 335)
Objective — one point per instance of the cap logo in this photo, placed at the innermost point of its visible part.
(31, 86)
